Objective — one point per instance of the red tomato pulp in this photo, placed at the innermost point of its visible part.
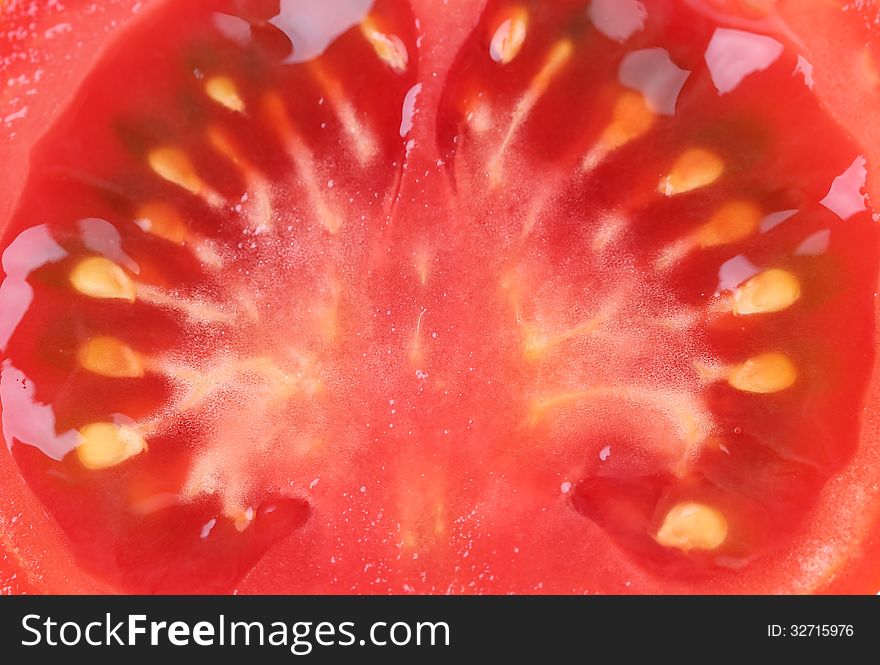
(533, 297)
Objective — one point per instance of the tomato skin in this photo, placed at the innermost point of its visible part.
(848, 75)
(35, 551)
(847, 79)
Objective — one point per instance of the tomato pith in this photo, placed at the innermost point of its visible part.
(577, 297)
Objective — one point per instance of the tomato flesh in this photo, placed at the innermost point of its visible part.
(418, 332)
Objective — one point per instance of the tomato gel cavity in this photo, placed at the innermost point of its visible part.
(591, 311)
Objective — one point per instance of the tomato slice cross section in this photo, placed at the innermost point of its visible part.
(328, 297)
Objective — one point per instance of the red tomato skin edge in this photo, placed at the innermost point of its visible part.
(35, 556)
(848, 80)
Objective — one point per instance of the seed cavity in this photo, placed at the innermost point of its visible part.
(110, 357)
(694, 169)
(223, 90)
(242, 518)
(508, 38)
(163, 221)
(692, 526)
(765, 373)
(173, 165)
(390, 48)
(105, 445)
(631, 118)
(733, 222)
(99, 277)
(771, 291)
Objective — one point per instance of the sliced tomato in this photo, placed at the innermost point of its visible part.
(387, 297)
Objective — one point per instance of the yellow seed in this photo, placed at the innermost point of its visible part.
(103, 445)
(242, 518)
(163, 221)
(770, 291)
(692, 526)
(223, 90)
(390, 49)
(110, 357)
(765, 373)
(509, 36)
(173, 165)
(733, 222)
(98, 277)
(631, 118)
(694, 169)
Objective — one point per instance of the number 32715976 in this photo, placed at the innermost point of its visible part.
(810, 630)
